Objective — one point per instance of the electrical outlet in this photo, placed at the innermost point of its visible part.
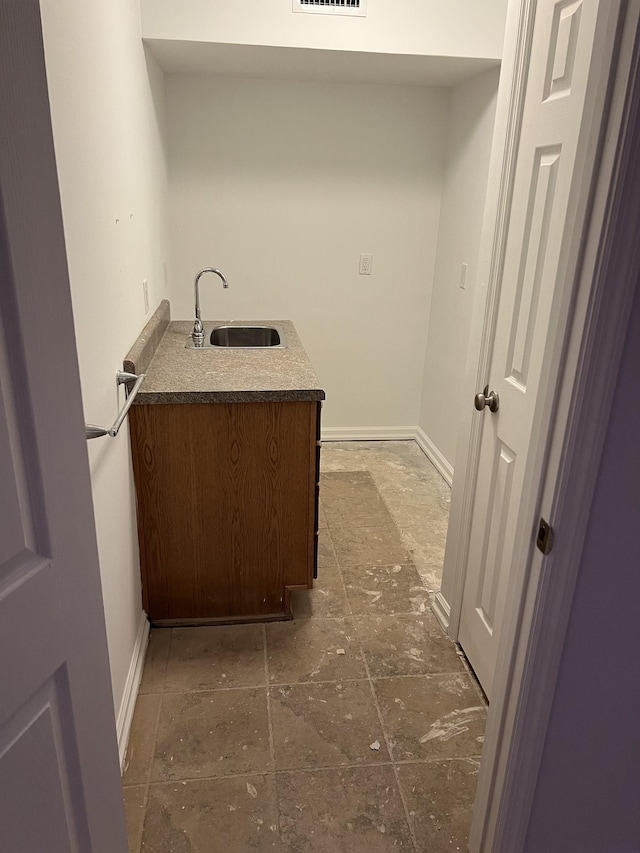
(366, 263)
(463, 276)
(145, 293)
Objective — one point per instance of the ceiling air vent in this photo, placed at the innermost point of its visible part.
(357, 8)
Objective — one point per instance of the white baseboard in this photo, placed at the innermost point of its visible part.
(435, 457)
(442, 610)
(132, 685)
(407, 433)
(368, 433)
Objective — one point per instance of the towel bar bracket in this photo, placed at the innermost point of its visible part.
(122, 378)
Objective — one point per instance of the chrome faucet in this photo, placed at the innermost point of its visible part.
(198, 329)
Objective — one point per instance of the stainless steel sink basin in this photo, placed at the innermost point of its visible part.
(244, 336)
(237, 336)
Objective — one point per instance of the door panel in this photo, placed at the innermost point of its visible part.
(562, 51)
(499, 496)
(20, 493)
(38, 737)
(554, 165)
(531, 267)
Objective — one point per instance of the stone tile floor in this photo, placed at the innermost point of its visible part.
(355, 727)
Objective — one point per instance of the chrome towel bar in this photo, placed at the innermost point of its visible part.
(93, 431)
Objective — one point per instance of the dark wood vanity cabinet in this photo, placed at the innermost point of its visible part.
(227, 503)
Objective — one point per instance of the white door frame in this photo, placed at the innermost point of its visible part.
(539, 601)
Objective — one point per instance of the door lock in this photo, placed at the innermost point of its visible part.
(544, 540)
(487, 398)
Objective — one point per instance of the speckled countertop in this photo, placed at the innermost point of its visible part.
(175, 374)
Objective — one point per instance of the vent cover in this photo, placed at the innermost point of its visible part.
(357, 8)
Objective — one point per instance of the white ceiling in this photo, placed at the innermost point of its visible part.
(333, 66)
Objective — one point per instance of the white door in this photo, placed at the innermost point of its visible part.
(555, 163)
(60, 788)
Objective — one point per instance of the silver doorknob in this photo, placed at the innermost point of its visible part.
(487, 398)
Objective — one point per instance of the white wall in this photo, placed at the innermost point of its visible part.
(427, 27)
(282, 185)
(473, 107)
(110, 155)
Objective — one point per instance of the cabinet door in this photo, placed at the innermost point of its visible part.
(225, 507)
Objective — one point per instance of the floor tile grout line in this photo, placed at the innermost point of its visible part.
(393, 765)
(366, 563)
(146, 783)
(361, 678)
(402, 762)
(351, 616)
(145, 801)
(318, 769)
(222, 777)
(272, 748)
(319, 682)
(168, 658)
(156, 729)
(394, 614)
(381, 723)
(278, 812)
(373, 524)
(346, 597)
(416, 675)
(384, 733)
(362, 765)
(259, 686)
(248, 774)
